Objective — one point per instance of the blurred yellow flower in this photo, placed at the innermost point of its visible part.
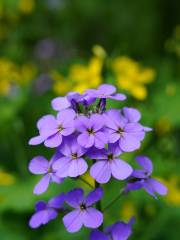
(81, 76)
(26, 6)
(13, 74)
(173, 185)
(6, 178)
(128, 210)
(163, 126)
(131, 77)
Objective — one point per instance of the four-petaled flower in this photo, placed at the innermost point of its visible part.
(142, 179)
(84, 213)
(128, 134)
(52, 130)
(105, 91)
(108, 164)
(91, 131)
(40, 165)
(45, 212)
(117, 231)
(71, 164)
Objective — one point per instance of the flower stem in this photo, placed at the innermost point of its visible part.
(114, 200)
(86, 182)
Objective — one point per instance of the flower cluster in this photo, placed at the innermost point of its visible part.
(87, 136)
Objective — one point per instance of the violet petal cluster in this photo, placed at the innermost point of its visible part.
(87, 137)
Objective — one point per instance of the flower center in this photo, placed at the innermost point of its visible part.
(60, 128)
(50, 170)
(83, 206)
(90, 131)
(120, 131)
(74, 156)
(110, 156)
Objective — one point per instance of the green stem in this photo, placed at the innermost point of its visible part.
(86, 182)
(114, 200)
(98, 205)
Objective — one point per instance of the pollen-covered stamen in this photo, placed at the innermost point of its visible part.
(83, 207)
(74, 156)
(110, 156)
(50, 170)
(120, 131)
(60, 128)
(90, 131)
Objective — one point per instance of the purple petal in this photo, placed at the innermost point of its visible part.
(128, 143)
(112, 119)
(92, 218)
(113, 137)
(86, 140)
(60, 103)
(118, 97)
(145, 163)
(133, 127)
(56, 179)
(75, 197)
(77, 167)
(40, 205)
(53, 141)
(57, 202)
(82, 123)
(68, 130)
(38, 165)
(42, 185)
(98, 235)
(94, 196)
(140, 174)
(97, 121)
(120, 169)
(100, 140)
(132, 114)
(95, 153)
(36, 140)
(134, 186)
(157, 186)
(62, 166)
(101, 171)
(121, 231)
(106, 89)
(42, 217)
(114, 149)
(73, 221)
(66, 116)
(47, 121)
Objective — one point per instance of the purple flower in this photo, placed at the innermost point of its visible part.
(52, 130)
(45, 212)
(83, 213)
(105, 91)
(117, 231)
(71, 164)
(128, 134)
(142, 179)
(108, 164)
(91, 131)
(40, 165)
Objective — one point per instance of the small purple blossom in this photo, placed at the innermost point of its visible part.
(141, 178)
(91, 131)
(52, 130)
(108, 163)
(40, 165)
(117, 231)
(45, 212)
(105, 91)
(128, 134)
(83, 213)
(72, 163)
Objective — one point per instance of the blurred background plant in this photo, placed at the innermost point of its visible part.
(51, 47)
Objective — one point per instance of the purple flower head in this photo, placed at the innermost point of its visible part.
(105, 91)
(45, 212)
(142, 178)
(128, 134)
(40, 165)
(108, 163)
(117, 231)
(83, 213)
(91, 131)
(71, 164)
(52, 130)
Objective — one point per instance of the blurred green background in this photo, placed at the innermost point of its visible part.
(50, 47)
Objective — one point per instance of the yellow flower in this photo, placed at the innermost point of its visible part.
(128, 210)
(6, 178)
(26, 6)
(131, 77)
